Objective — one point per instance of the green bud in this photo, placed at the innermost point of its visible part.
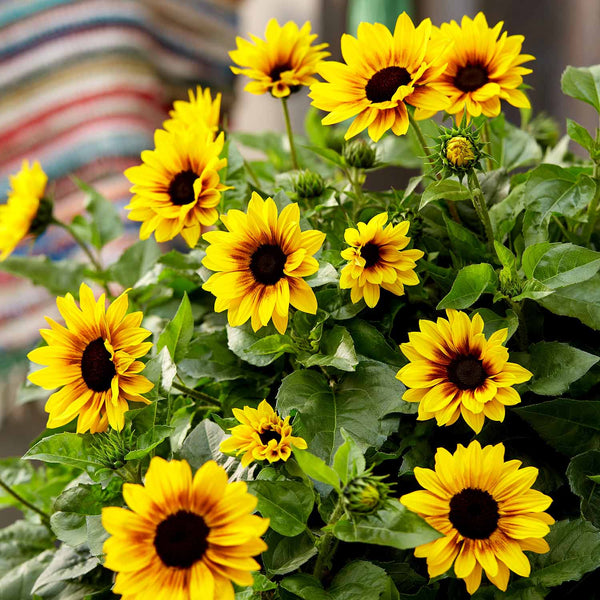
(109, 448)
(309, 184)
(360, 154)
(43, 218)
(509, 283)
(365, 494)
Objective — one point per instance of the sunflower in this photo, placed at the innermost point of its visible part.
(185, 538)
(200, 109)
(482, 69)
(487, 512)
(177, 188)
(261, 261)
(93, 361)
(454, 370)
(26, 212)
(382, 74)
(262, 435)
(282, 62)
(376, 259)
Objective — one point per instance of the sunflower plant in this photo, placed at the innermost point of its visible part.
(322, 391)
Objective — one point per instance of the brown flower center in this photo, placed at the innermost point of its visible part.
(97, 369)
(370, 252)
(267, 264)
(471, 77)
(276, 71)
(466, 372)
(383, 85)
(267, 436)
(181, 539)
(181, 188)
(474, 513)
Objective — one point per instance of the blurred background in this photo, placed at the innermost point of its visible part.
(84, 84)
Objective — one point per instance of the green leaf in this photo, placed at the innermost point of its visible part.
(135, 262)
(359, 580)
(445, 189)
(504, 214)
(506, 257)
(369, 342)
(570, 426)
(395, 526)
(580, 300)
(106, 224)
(578, 473)
(327, 273)
(178, 332)
(556, 366)
(328, 154)
(582, 83)
(348, 461)
(240, 340)
(553, 190)
(149, 440)
(58, 277)
(21, 541)
(464, 243)
(520, 148)
(286, 554)
(580, 134)
(287, 504)
(67, 563)
(336, 349)
(360, 403)
(305, 586)
(316, 468)
(470, 283)
(64, 448)
(17, 583)
(492, 322)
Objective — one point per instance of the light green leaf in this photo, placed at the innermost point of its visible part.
(316, 468)
(359, 580)
(445, 189)
(336, 349)
(582, 83)
(305, 586)
(17, 583)
(327, 273)
(556, 366)
(504, 214)
(64, 448)
(470, 283)
(135, 262)
(520, 148)
(493, 322)
(240, 340)
(67, 563)
(21, 541)
(148, 441)
(348, 461)
(580, 134)
(178, 332)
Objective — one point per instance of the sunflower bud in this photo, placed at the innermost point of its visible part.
(309, 184)
(109, 448)
(43, 217)
(460, 152)
(365, 494)
(359, 154)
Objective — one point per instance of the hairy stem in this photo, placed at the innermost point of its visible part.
(197, 395)
(481, 207)
(45, 518)
(288, 126)
(328, 543)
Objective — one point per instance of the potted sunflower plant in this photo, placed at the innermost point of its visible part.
(336, 393)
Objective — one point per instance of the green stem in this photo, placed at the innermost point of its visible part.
(481, 207)
(45, 518)
(197, 395)
(251, 173)
(288, 126)
(328, 542)
(522, 329)
(487, 140)
(592, 214)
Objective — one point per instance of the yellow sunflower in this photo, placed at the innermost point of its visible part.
(177, 188)
(262, 435)
(383, 72)
(281, 63)
(262, 260)
(184, 538)
(200, 109)
(454, 370)
(482, 68)
(25, 212)
(487, 511)
(376, 259)
(93, 361)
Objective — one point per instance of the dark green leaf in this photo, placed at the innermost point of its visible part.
(67, 563)
(178, 332)
(582, 83)
(520, 148)
(445, 189)
(470, 283)
(21, 541)
(305, 586)
(64, 448)
(369, 342)
(17, 583)
(149, 440)
(464, 243)
(578, 473)
(504, 214)
(241, 339)
(286, 554)
(135, 262)
(359, 580)
(493, 322)
(336, 349)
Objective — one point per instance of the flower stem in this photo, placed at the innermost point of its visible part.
(328, 542)
(45, 518)
(487, 139)
(481, 207)
(251, 174)
(197, 395)
(288, 126)
(522, 328)
(592, 213)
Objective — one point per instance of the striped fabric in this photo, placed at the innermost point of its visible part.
(83, 85)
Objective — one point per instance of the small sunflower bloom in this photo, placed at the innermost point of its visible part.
(261, 262)
(483, 69)
(201, 109)
(94, 362)
(455, 371)
(185, 537)
(377, 259)
(382, 74)
(281, 63)
(177, 188)
(27, 212)
(487, 512)
(460, 151)
(262, 435)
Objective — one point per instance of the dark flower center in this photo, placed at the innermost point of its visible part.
(370, 252)
(97, 369)
(267, 436)
(471, 77)
(383, 85)
(466, 372)
(180, 539)
(181, 189)
(267, 264)
(474, 513)
(276, 71)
